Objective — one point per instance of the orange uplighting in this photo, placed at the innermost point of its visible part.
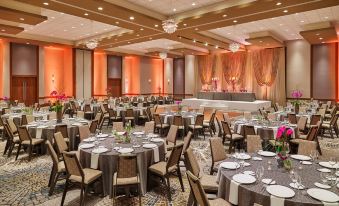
(157, 75)
(132, 75)
(100, 73)
(58, 73)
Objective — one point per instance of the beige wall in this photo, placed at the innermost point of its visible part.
(190, 74)
(168, 75)
(298, 67)
(6, 70)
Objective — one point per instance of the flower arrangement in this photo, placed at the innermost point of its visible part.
(296, 94)
(59, 97)
(282, 147)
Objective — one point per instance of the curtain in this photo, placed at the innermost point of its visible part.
(206, 68)
(233, 66)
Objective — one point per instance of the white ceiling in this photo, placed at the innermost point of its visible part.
(285, 27)
(68, 27)
(166, 7)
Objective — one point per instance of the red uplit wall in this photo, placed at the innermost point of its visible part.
(1, 67)
(100, 73)
(132, 75)
(157, 73)
(58, 73)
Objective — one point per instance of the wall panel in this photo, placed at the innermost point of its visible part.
(178, 77)
(100, 73)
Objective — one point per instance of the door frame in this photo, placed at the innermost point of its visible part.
(11, 72)
(121, 70)
(120, 84)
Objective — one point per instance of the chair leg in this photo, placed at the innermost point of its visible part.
(7, 146)
(139, 191)
(180, 179)
(55, 180)
(81, 194)
(11, 150)
(85, 194)
(30, 152)
(64, 193)
(17, 153)
(169, 189)
(51, 176)
(230, 147)
(211, 172)
(331, 132)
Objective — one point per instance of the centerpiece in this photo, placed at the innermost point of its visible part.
(57, 106)
(179, 106)
(296, 94)
(282, 147)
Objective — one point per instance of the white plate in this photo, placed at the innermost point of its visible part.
(152, 135)
(324, 170)
(306, 162)
(327, 165)
(242, 156)
(86, 146)
(230, 165)
(322, 186)
(76, 124)
(268, 181)
(338, 186)
(102, 135)
(157, 140)
(121, 133)
(244, 179)
(323, 195)
(149, 146)
(267, 154)
(301, 157)
(280, 191)
(257, 158)
(125, 150)
(138, 133)
(297, 186)
(100, 150)
(249, 172)
(90, 139)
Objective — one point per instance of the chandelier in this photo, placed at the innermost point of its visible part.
(92, 43)
(163, 55)
(234, 47)
(169, 26)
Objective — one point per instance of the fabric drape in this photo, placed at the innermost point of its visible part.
(206, 68)
(233, 66)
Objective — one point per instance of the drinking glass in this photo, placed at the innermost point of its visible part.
(323, 177)
(269, 165)
(259, 173)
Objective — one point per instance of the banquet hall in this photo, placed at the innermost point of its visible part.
(169, 102)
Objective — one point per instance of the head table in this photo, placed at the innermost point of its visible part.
(248, 194)
(104, 152)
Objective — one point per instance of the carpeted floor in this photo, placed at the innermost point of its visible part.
(25, 183)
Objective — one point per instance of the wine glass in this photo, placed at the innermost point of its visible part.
(323, 177)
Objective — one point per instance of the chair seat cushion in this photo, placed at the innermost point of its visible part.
(89, 176)
(325, 125)
(106, 115)
(160, 168)
(209, 183)
(34, 141)
(219, 202)
(192, 126)
(206, 124)
(61, 166)
(295, 141)
(125, 181)
(162, 126)
(16, 139)
(237, 137)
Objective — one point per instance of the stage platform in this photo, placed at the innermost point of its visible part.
(227, 105)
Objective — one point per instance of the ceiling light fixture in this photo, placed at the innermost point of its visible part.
(224, 15)
(169, 26)
(100, 8)
(185, 24)
(174, 9)
(141, 29)
(3, 30)
(216, 46)
(92, 43)
(206, 44)
(235, 21)
(193, 4)
(86, 14)
(234, 47)
(163, 55)
(285, 11)
(278, 3)
(131, 17)
(156, 25)
(22, 19)
(46, 3)
(320, 38)
(194, 40)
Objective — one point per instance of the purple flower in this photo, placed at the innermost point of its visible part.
(5, 98)
(289, 132)
(296, 94)
(53, 93)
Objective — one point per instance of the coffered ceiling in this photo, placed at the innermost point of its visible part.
(135, 25)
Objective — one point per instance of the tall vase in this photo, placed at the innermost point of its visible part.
(296, 108)
(59, 116)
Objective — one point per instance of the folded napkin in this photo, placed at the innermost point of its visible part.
(165, 119)
(275, 130)
(218, 175)
(257, 158)
(239, 128)
(277, 201)
(156, 154)
(94, 160)
(38, 133)
(233, 198)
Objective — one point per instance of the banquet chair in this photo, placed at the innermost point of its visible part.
(58, 168)
(12, 125)
(254, 143)
(26, 119)
(143, 116)
(209, 125)
(165, 169)
(200, 195)
(301, 125)
(27, 140)
(315, 118)
(118, 126)
(12, 140)
(198, 125)
(159, 125)
(113, 116)
(80, 114)
(292, 118)
(51, 116)
(275, 107)
(321, 112)
(248, 130)
(84, 132)
(94, 126)
(230, 136)
(149, 114)
(2, 128)
(127, 175)
(332, 112)
(306, 147)
(77, 174)
(187, 142)
(208, 182)
(89, 114)
(171, 137)
(60, 143)
(217, 152)
(312, 135)
(149, 127)
(332, 125)
(247, 115)
(129, 117)
(179, 121)
(62, 128)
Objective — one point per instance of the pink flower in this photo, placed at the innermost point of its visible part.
(289, 132)
(279, 134)
(53, 93)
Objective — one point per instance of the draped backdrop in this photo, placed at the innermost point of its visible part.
(260, 71)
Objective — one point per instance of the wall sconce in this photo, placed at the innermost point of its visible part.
(149, 81)
(53, 79)
(168, 81)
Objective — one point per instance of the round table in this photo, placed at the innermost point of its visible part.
(107, 162)
(254, 193)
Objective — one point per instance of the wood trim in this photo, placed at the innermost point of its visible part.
(10, 68)
(74, 70)
(336, 71)
(92, 72)
(37, 74)
(311, 72)
(163, 76)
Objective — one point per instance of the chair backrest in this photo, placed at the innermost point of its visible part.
(191, 162)
(226, 129)
(157, 119)
(211, 122)
(84, 132)
(227, 118)
(175, 156)
(312, 133)
(199, 120)
(52, 115)
(118, 126)
(127, 166)
(72, 164)
(172, 134)
(217, 149)
(62, 128)
(334, 120)
(220, 130)
(321, 111)
(253, 143)
(302, 123)
(178, 120)
(53, 154)
(9, 132)
(306, 147)
(94, 126)
(60, 142)
(24, 120)
(187, 141)
(275, 107)
(87, 108)
(129, 113)
(12, 125)
(149, 127)
(197, 189)
(247, 115)
(315, 118)
(201, 109)
(23, 134)
(249, 130)
(292, 118)
(98, 116)
(80, 114)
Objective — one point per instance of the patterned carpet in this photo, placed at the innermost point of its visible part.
(25, 183)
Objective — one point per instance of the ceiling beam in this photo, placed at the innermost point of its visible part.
(20, 16)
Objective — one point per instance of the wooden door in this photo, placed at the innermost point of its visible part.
(115, 85)
(24, 89)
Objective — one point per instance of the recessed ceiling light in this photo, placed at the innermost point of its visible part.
(150, 38)
(196, 29)
(326, 17)
(138, 35)
(3, 30)
(116, 22)
(206, 44)
(81, 24)
(285, 11)
(174, 9)
(52, 17)
(46, 3)
(235, 21)
(62, 13)
(22, 19)
(100, 8)
(229, 33)
(131, 17)
(156, 25)
(216, 46)
(27, 42)
(194, 40)
(317, 34)
(141, 29)
(73, 27)
(278, 3)
(260, 41)
(302, 21)
(281, 24)
(185, 24)
(224, 15)
(320, 38)
(323, 42)
(65, 29)
(129, 42)
(86, 14)
(193, 4)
